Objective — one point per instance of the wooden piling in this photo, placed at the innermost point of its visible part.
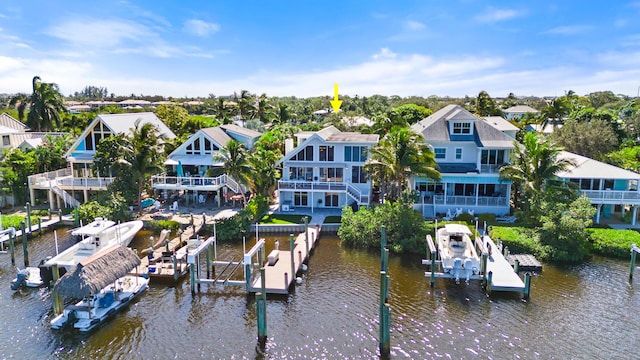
(208, 256)
(292, 246)
(385, 318)
(176, 273)
(489, 278)
(261, 307)
(383, 246)
(12, 247)
(433, 269)
(483, 269)
(516, 266)
(39, 226)
(192, 273)
(58, 305)
(632, 267)
(28, 206)
(25, 251)
(527, 285)
(306, 235)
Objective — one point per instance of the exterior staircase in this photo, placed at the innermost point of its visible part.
(69, 201)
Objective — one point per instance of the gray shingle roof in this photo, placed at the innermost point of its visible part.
(521, 109)
(587, 168)
(123, 123)
(7, 120)
(252, 134)
(217, 135)
(435, 128)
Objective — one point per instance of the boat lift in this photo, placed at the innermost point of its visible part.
(209, 247)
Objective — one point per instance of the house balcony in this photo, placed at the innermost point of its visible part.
(194, 183)
(315, 186)
(459, 200)
(616, 197)
(65, 180)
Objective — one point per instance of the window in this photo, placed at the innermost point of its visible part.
(305, 154)
(5, 140)
(358, 175)
(326, 153)
(331, 199)
(492, 157)
(331, 175)
(441, 153)
(300, 199)
(300, 173)
(209, 147)
(462, 128)
(95, 135)
(355, 153)
(458, 153)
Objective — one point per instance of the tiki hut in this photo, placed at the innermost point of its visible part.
(96, 272)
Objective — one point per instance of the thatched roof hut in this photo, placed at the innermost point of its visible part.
(96, 272)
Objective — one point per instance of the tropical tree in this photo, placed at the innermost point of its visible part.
(236, 164)
(223, 110)
(245, 104)
(400, 154)
(45, 103)
(265, 174)
(554, 112)
(412, 113)
(283, 114)
(264, 109)
(533, 170)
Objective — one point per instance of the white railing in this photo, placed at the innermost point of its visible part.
(357, 195)
(465, 200)
(85, 182)
(613, 196)
(69, 201)
(194, 183)
(308, 185)
(490, 168)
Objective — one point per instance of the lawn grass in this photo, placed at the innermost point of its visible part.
(283, 219)
(333, 219)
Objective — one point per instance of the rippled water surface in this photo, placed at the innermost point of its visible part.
(586, 311)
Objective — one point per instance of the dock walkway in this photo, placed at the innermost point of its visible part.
(279, 277)
(34, 228)
(503, 277)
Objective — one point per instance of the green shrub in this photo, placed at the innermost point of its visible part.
(333, 219)
(486, 217)
(610, 242)
(466, 217)
(159, 225)
(13, 221)
(521, 240)
(256, 207)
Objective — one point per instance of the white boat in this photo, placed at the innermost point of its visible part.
(29, 277)
(93, 228)
(120, 234)
(457, 252)
(92, 311)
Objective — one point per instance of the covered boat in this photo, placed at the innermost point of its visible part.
(101, 281)
(29, 277)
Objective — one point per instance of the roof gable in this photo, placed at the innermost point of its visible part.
(123, 123)
(8, 121)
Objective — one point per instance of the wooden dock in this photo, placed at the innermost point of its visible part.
(526, 262)
(279, 277)
(34, 229)
(503, 278)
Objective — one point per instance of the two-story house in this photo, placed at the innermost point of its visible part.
(469, 152)
(75, 184)
(190, 165)
(326, 170)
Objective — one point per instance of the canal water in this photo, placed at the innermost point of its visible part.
(587, 311)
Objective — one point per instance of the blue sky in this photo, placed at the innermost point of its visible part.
(301, 48)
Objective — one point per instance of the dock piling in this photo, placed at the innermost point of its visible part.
(306, 235)
(634, 250)
(527, 285)
(39, 226)
(516, 266)
(489, 279)
(28, 208)
(292, 246)
(12, 247)
(25, 251)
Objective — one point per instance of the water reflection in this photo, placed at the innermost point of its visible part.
(583, 311)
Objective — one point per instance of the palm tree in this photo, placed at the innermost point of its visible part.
(246, 107)
(143, 154)
(236, 164)
(283, 114)
(264, 109)
(554, 112)
(45, 103)
(533, 170)
(399, 155)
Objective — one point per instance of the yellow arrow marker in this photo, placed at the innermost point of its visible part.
(335, 103)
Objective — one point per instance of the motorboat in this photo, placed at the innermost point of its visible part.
(95, 309)
(93, 228)
(457, 252)
(29, 277)
(120, 234)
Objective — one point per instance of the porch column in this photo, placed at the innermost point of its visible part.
(633, 218)
(476, 190)
(85, 193)
(622, 208)
(445, 193)
(51, 199)
(599, 207)
(312, 201)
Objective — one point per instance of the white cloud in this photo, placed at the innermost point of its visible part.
(101, 33)
(569, 30)
(385, 53)
(414, 25)
(495, 15)
(200, 28)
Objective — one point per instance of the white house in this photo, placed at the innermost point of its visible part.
(519, 111)
(326, 170)
(469, 152)
(190, 163)
(78, 181)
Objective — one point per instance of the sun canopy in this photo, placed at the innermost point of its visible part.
(96, 272)
(457, 229)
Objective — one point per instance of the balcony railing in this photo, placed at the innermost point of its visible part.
(465, 200)
(64, 179)
(613, 196)
(193, 183)
(308, 185)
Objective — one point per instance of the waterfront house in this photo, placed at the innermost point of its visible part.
(518, 111)
(74, 184)
(325, 170)
(612, 190)
(191, 168)
(469, 152)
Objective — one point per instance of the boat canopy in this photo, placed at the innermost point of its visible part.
(93, 228)
(457, 229)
